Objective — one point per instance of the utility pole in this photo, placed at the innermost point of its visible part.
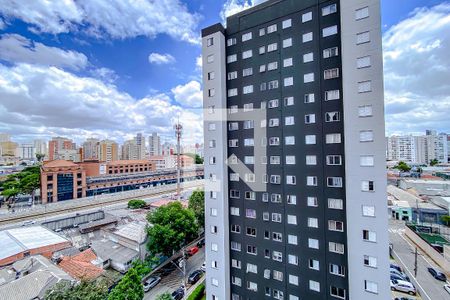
(178, 133)
(415, 263)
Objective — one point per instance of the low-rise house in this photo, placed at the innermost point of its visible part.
(82, 266)
(132, 235)
(114, 255)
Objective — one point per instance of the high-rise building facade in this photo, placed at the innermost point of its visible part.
(140, 146)
(27, 151)
(108, 151)
(40, 147)
(293, 100)
(90, 149)
(58, 145)
(154, 145)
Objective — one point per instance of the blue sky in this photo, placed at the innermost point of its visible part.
(83, 68)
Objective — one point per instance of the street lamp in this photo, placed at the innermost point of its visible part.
(182, 270)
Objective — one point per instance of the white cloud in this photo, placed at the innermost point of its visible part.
(47, 101)
(105, 74)
(16, 48)
(161, 59)
(189, 95)
(232, 7)
(2, 24)
(199, 62)
(417, 71)
(118, 19)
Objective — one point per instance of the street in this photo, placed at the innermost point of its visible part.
(403, 252)
(173, 281)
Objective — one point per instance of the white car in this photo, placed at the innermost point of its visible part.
(403, 286)
(26, 223)
(203, 268)
(447, 288)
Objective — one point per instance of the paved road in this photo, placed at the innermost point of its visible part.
(430, 288)
(173, 281)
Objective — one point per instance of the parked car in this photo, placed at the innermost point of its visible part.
(167, 269)
(151, 283)
(178, 293)
(203, 268)
(437, 274)
(396, 272)
(397, 277)
(192, 250)
(30, 222)
(397, 267)
(194, 276)
(404, 298)
(201, 243)
(447, 288)
(403, 286)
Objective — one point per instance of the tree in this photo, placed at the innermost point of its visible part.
(402, 166)
(40, 157)
(172, 227)
(136, 203)
(198, 159)
(128, 288)
(433, 162)
(445, 219)
(25, 182)
(89, 290)
(165, 296)
(197, 205)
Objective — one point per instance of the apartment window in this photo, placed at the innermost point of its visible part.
(274, 141)
(337, 270)
(332, 95)
(212, 144)
(336, 247)
(365, 86)
(287, 62)
(263, 86)
(232, 92)
(287, 43)
(252, 250)
(311, 180)
(233, 143)
(213, 212)
(314, 286)
(246, 36)
(363, 62)
(292, 239)
(362, 13)
(308, 77)
(365, 111)
(235, 228)
(310, 119)
(366, 161)
(275, 122)
(233, 109)
(368, 211)
(275, 198)
(231, 42)
(291, 199)
(333, 138)
(271, 28)
(363, 37)
(210, 58)
(232, 126)
(330, 52)
(311, 160)
(249, 124)
(235, 194)
(369, 236)
(293, 279)
(212, 126)
(292, 220)
(274, 160)
(212, 160)
(247, 89)
(247, 72)
(367, 186)
(234, 176)
(266, 216)
(278, 295)
(288, 101)
(332, 116)
(272, 47)
(262, 49)
(289, 140)
(291, 180)
(211, 75)
(293, 259)
(370, 261)
(331, 73)
(272, 66)
(335, 225)
(366, 136)
(234, 211)
(312, 201)
(313, 223)
(214, 247)
(213, 195)
(277, 237)
(307, 17)
(263, 104)
(307, 37)
(308, 57)
(232, 75)
(334, 160)
(286, 23)
(250, 195)
(309, 98)
(337, 292)
(236, 281)
(335, 203)
(252, 286)
(265, 197)
(310, 139)
(329, 31)
(262, 68)
(248, 107)
(235, 263)
(277, 256)
(276, 217)
(211, 92)
(334, 181)
(247, 54)
(209, 42)
(213, 229)
(214, 282)
(273, 103)
(231, 58)
(289, 81)
(370, 286)
(262, 31)
(328, 10)
(273, 84)
(314, 264)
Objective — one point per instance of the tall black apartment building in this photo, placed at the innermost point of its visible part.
(295, 184)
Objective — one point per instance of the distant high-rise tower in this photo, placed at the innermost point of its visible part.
(57, 146)
(140, 146)
(154, 144)
(293, 100)
(108, 151)
(90, 149)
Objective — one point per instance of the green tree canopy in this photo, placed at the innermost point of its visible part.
(26, 181)
(129, 287)
(434, 162)
(198, 159)
(136, 203)
(402, 166)
(197, 205)
(172, 226)
(86, 290)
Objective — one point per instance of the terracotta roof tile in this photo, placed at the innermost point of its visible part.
(80, 266)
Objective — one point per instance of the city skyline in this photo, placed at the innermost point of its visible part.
(147, 92)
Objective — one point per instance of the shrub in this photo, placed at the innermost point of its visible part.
(136, 203)
(198, 293)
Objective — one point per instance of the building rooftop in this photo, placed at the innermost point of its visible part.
(127, 162)
(134, 231)
(405, 199)
(106, 249)
(17, 240)
(81, 266)
(59, 163)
